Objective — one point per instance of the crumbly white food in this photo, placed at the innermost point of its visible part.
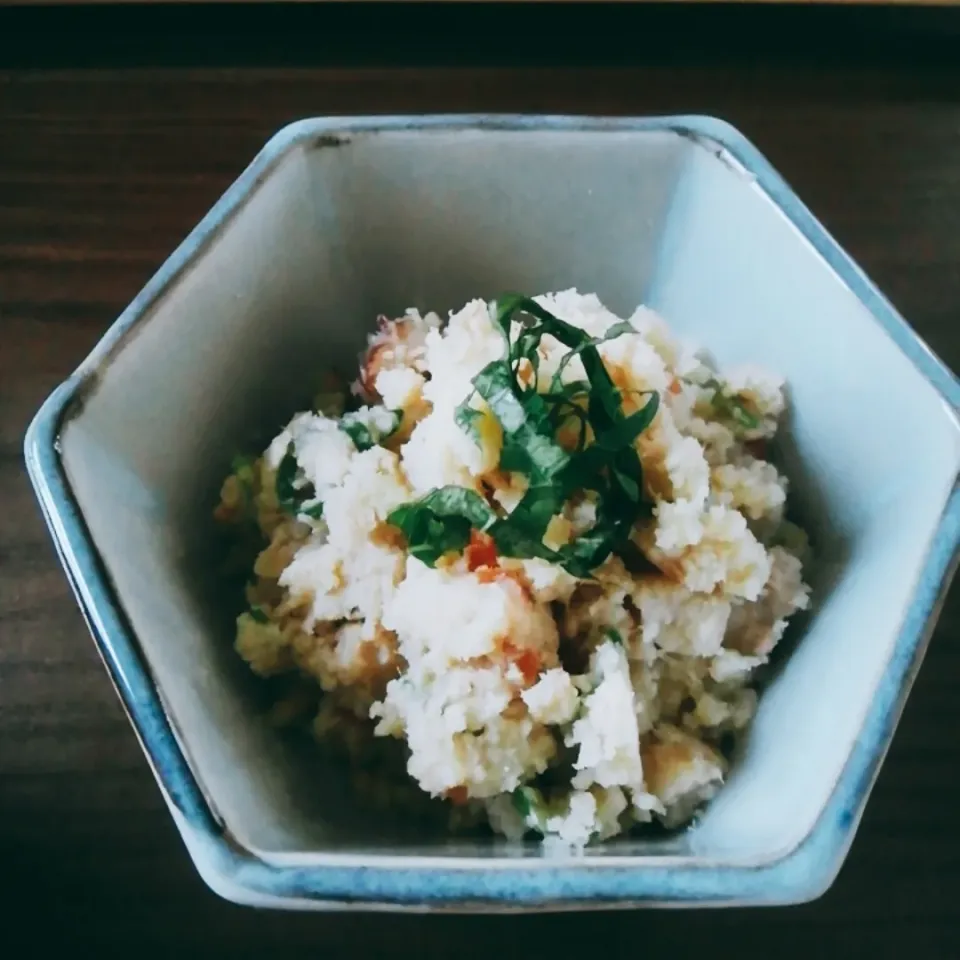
(543, 699)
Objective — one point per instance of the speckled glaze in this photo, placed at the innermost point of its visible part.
(339, 219)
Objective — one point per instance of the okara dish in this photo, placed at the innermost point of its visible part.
(539, 549)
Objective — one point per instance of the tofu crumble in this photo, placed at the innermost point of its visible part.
(538, 547)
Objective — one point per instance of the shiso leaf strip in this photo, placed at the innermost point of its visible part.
(609, 466)
(441, 522)
(295, 495)
(360, 427)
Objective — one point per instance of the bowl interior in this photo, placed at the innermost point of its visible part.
(340, 229)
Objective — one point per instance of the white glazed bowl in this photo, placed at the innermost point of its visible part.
(339, 220)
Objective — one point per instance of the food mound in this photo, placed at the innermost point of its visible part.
(540, 547)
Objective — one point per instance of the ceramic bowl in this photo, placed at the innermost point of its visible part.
(338, 220)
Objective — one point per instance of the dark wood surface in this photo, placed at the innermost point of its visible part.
(103, 171)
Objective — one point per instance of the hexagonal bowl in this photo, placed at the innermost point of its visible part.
(337, 220)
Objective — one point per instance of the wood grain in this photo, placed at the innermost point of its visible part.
(489, 35)
(906, 3)
(103, 171)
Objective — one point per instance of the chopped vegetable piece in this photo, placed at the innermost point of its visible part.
(466, 418)
(609, 466)
(441, 522)
(481, 551)
(258, 614)
(295, 495)
(370, 426)
(528, 802)
(617, 330)
(614, 636)
(730, 406)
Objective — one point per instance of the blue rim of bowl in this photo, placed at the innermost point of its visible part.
(801, 874)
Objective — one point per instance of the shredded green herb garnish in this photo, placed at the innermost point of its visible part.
(257, 614)
(466, 418)
(614, 636)
(608, 466)
(441, 522)
(361, 426)
(295, 495)
(529, 803)
(617, 330)
(287, 469)
(521, 802)
(730, 406)
(242, 466)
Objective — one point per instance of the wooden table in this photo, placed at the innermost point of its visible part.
(103, 171)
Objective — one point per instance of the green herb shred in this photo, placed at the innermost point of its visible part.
(295, 495)
(362, 427)
(242, 466)
(729, 405)
(466, 419)
(529, 803)
(614, 636)
(257, 614)
(441, 522)
(521, 802)
(609, 466)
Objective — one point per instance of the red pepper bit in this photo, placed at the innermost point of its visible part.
(529, 664)
(480, 552)
(527, 661)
